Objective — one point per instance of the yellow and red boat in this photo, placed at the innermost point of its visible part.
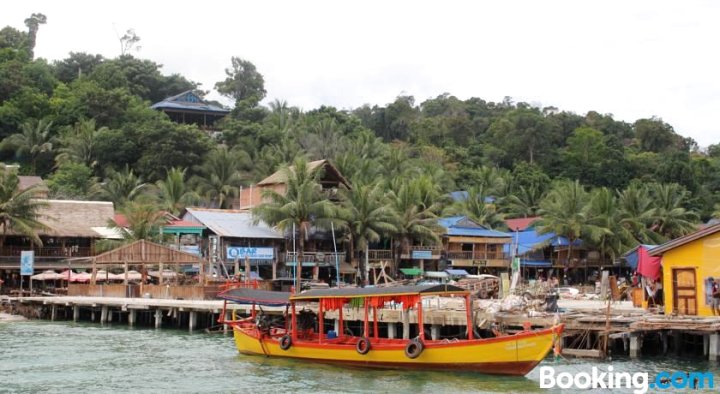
(514, 354)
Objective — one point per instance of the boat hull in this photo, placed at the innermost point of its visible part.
(508, 355)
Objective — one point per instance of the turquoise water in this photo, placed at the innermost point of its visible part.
(67, 357)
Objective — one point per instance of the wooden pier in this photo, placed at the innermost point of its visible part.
(591, 331)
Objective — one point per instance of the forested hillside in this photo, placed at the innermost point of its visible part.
(85, 125)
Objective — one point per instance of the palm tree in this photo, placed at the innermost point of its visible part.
(477, 209)
(366, 216)
(173, 193)
(144, 222)
(221, 177)
(78, 144)
(122, 187)
(636, 214)
(611, 237)
(525, 202)
(32, 141)
(19, 211)
(301, 206)
(413, 220)
(672, 219)
(565, 212)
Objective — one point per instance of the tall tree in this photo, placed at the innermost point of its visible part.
(565, 212)
(32, 142)
(366, 216)
(413, 220)
(243, 82)
(221, 176)
(33, 23)
(19, 210)
(479, 208)
(173, 193)
(672, 218)
(122, 187)
(302, 206)
(78, 144)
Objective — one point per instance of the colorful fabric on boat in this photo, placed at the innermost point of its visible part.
(408, 301)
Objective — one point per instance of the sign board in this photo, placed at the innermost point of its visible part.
(421, 254)
(27, 260)
(240, 252)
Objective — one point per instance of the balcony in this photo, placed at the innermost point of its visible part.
(478, 255)
(376, 255)
(434, 251)
(321, 258)
(49, 252)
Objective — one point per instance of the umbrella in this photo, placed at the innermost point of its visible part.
(166, 274)
(82, 277)
(131, 275)
(47, 275)
(67, 275)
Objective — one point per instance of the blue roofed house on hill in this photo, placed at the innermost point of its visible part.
(190, 108)
(473, 247)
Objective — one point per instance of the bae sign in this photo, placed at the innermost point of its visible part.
(239, 252)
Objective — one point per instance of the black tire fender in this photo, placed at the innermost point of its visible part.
(285, 342)
(414, 348)
(363, 345)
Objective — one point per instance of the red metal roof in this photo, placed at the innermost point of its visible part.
(521, 224)
(121, 220)
(183, 223)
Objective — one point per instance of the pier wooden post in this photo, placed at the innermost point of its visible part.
(677, 342)
(53, 312)
(406, 323)
(76, 313)
(435, 332)
(104, 314)
(228, 316)
(109, 316)
(192, 320)
(158, 318)
(714, 350)
(635, 345)
(392, 330)
(664, 341)
(132, 316)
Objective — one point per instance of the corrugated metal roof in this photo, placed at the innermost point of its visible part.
(521, 224)
(530, 240)
(231, 223)
(462, 226)
(190, 101)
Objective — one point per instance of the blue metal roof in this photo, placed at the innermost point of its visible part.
(462, 195)
(456, 272)
(462, 226)
(189, 101)
(530, 240)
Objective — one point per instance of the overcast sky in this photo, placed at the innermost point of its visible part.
(632, 59)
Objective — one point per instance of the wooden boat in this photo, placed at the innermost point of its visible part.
(514, 354)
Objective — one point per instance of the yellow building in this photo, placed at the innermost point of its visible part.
(689, 265)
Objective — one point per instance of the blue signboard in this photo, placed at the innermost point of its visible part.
(421, 254)
(239, 252)
(27, 260)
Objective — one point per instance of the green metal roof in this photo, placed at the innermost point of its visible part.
(411, 271)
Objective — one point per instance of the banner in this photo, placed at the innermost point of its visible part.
(27, 261)
(421, 254)
(240, 252)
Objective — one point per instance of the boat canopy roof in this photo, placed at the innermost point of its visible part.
(369, 292)
(258, 297)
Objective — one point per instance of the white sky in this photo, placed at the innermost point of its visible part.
(632, 59)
